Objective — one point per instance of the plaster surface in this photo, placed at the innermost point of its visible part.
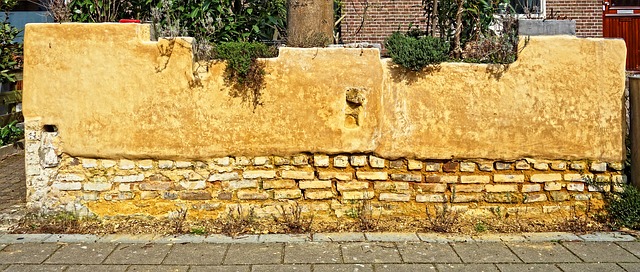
(113, 93)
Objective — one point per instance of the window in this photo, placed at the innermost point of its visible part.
(528, 7)
(625, 3)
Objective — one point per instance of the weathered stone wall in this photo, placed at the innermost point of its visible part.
(117, 124)
(323, 184)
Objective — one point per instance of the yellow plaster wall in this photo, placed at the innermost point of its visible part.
(562, 98)
(112, 93)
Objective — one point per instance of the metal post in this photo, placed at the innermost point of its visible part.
(634, 104)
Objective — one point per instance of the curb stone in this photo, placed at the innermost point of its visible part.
(317, 237)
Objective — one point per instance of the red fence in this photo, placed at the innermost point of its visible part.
(624, 22)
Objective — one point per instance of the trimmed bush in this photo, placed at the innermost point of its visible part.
(416, 52)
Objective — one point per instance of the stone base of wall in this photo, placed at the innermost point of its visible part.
(326, 185)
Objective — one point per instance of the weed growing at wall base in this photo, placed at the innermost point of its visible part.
(623, 206)
(237, 221)
(443, 220)
(622, 203)
(291, 217)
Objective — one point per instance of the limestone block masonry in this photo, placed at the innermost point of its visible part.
(117, 124)
(208, 188)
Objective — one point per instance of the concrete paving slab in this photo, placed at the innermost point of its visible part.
(93, 253)
(23, 238)
(607, 237)
(35, 268)
(428, 253)
(528, 267)
(342, 268)
(545, 252)
(196, 254)
(630, 267)
(339, 237)
(404, 267)
(158, 268)
(72, 238)
(485, 253)
(27, 253)
(312, 253)
(254, 254)
(466, 267)
(370, 252)
(444, 238)
(221, 268)
(223, 239)
(281, 268)
(551, 237)
(391, 237)
(592, 252)
(127, 238)
(177, 239)
(633, 247)
(284, 238)
(138, 254)
(590, 267)
(97, 268)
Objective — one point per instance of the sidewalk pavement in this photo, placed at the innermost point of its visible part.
(397, 252)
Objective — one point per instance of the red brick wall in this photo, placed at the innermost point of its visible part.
(586, 13)
(382, 18)
(385, 16)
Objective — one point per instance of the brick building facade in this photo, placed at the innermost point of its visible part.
(374, 20)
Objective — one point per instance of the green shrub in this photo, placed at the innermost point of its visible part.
(244, 71)
(221, 20)
(415, 52)
(10, 134)
(240, 56)
(98, 11)
(623, 207)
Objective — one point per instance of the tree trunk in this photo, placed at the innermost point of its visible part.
(309, 23)
(434, 18)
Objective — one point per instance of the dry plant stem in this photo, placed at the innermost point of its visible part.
(179, 220)
(442, 221)
(106, 10)
(457, 49)
(237, 222)
(57, 9)
(364, 17)
(293, 220)
(366, 218)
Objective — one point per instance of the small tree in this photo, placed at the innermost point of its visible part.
(10, 50)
